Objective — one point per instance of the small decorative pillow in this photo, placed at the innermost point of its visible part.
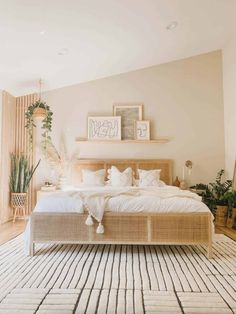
(93, 178)
(117, 178)
(149, 177)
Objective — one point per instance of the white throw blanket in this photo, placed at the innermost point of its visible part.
(95, 201)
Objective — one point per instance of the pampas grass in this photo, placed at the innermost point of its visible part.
(58, 158)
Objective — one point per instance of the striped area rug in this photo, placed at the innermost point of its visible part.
(73, 279)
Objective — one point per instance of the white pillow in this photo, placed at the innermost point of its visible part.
(93, 178)
(117, 178)
(149, 177)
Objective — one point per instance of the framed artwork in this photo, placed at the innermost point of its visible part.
(234, 178)
(129, 114)
(104, 128)
(143, 130)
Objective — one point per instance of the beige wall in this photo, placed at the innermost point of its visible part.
(229, 75)
(183, 100)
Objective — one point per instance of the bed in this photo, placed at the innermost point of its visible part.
(146, 228)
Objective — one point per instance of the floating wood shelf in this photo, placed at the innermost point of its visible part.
(159, 140)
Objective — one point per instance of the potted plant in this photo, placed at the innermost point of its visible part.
(219, 190)
(213, 195)
(20, 177)
(206, 193)
(231, 198)
(39, 109)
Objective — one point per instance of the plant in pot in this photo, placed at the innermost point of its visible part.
(20, 177)
(206, 193)
(213, 195)
(219, 190)
(231, 198)
(39, 109)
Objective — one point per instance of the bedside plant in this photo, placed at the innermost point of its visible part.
(206, 193)
(20, 177)
(213, 195)
(231, 198)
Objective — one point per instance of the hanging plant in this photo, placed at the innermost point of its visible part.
(39, 108)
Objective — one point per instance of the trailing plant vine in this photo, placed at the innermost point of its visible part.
(46, 123)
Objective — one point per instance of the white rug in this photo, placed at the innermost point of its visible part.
(68, 279)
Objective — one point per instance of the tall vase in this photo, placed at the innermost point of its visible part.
(176, 182)
(62, 182)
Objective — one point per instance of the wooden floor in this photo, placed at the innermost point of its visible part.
(10, 230)
(229, 232)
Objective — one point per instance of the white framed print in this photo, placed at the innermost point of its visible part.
(143, 130)
(129, 114)
(104, 128)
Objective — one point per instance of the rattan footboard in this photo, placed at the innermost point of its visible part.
(120, 228)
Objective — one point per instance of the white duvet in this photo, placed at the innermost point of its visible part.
(126, 199)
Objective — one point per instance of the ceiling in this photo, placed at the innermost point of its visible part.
(102, 37)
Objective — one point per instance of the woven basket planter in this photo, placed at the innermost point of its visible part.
(39, 113)
(221, 215)
(18, 202)
(231, 219)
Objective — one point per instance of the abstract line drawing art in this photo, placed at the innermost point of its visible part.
(104, 128)
(143, 130)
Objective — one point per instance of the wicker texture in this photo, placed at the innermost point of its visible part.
(18, 202)
(143, 228)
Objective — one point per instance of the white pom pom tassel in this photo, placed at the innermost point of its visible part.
(100, 228)
(89, 221)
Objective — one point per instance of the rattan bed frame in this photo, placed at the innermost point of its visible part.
(124, 228)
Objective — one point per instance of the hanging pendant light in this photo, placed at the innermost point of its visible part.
(39, 111)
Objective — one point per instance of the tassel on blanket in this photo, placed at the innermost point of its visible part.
(100, 228)
(89, 221)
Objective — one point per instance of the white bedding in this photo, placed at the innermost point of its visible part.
(60, 202)
(126, 199)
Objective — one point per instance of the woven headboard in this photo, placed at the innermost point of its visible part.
(148, 164)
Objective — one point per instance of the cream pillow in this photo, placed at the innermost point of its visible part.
(93, 178)
(117, 178)
(149, 177)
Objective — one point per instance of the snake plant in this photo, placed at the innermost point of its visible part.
(21, 173)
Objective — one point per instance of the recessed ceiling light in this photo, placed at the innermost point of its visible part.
(63, 51)
(172, 25)
(42, 32)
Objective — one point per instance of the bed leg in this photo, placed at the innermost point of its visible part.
(32, 249)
